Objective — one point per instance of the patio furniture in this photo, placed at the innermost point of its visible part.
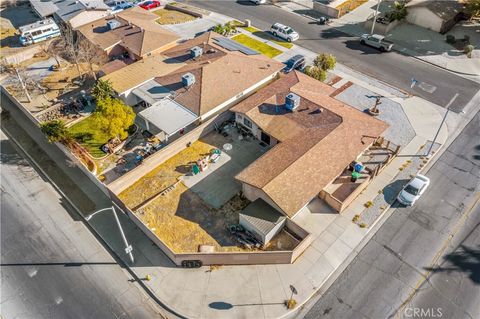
(227, 147)
(214, 158)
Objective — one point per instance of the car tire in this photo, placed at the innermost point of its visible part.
(274, 34)
(382, 49)
(362, 42)
(289, 39)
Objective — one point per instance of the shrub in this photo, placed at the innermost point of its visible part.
(316, 73)
(368, 204)
(450, 39)
(114, 117)
(102, 89)
(355, 218)
(468, 50)
(363, 225)
(325, 61)
(56, 131)
(291, 303)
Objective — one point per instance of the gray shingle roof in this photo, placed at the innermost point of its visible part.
(66, 9)
(262, 216)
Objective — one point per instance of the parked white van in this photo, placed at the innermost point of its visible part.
(38, 32)
(282, 31)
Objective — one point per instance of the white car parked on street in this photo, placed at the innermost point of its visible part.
(285, 32)
(412, 191)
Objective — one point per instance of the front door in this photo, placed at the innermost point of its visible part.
(265, 138)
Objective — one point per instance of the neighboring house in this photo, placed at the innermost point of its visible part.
(313, 143)
(439, 16)
(222, 74)
(74, 13)
(132, 31)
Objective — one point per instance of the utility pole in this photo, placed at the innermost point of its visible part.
(441, 124)
(375, 16)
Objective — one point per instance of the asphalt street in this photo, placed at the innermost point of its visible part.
(387, 278)
(392, 68)
(51, 264)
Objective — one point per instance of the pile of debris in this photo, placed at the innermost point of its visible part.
(245, 237)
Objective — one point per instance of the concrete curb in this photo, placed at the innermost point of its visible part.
(124, 265)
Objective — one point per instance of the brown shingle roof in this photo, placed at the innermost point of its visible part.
(139, 72)
(318, 148)
(220, 74)
(138, 32)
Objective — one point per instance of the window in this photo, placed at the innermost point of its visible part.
(247, 123)
(34, 33)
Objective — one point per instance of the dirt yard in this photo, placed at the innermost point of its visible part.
(167, 16)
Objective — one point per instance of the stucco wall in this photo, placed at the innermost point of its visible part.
(425, 18)
(326, 10)
(252, 193)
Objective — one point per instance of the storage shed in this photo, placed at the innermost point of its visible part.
(262, 220)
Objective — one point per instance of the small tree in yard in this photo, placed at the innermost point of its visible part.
(316, 73)
(69, 47)
(19, 72)
(114, 117)
(325, 61)
(91, 54)
(52, 49)
(102, 89)
(56, 131)
(473, 8)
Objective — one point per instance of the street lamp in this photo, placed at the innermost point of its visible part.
(128, 248)
(375, 16)
(441, 124)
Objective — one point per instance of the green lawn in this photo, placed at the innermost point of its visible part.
(264, 35)
(256, 45)
(89, 136)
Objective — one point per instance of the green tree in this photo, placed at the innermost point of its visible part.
(220, 29)
(473, 8)
(316, 73)
(102, 89)
(325, 61)
(56, 131)
(114, 117)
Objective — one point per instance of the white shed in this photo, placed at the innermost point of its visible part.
(262, 220)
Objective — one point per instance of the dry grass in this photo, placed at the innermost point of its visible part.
(164, 175)
(167, 16)
(59, 81)
(349, 6)
(7, 37)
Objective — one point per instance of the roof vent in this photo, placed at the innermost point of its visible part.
(196, 52)
(292, 101)
(188, 79)
(113, 24)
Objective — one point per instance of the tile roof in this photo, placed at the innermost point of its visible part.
(317, 141)
(138, 32)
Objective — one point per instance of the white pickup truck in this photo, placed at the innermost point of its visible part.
(376, 41)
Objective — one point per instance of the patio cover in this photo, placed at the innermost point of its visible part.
(151, 92)
(168, 116)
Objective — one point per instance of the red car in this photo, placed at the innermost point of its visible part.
(150, 4)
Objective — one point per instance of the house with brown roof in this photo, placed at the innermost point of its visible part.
(314, 138)
(131, 32)
(205, 75)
